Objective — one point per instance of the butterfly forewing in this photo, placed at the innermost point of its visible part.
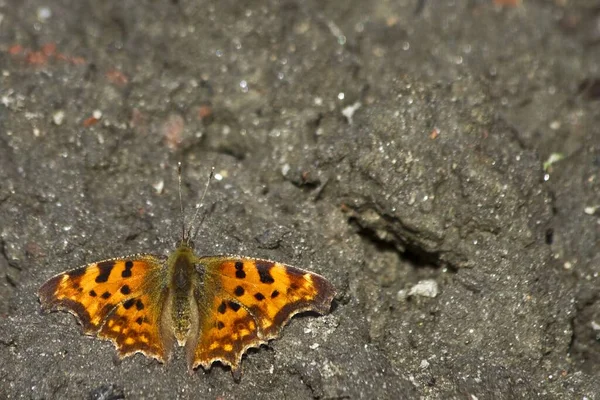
(254, 298)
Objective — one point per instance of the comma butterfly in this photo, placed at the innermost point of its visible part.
(215, 306)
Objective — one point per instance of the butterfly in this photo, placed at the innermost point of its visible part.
(217, 307)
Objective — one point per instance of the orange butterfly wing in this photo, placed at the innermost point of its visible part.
(252, 299)
(119, 299)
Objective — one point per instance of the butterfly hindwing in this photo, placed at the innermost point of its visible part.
(226, 332)
(119, 299)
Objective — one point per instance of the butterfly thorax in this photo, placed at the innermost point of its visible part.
(181, 275)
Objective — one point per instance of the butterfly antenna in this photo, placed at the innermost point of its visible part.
(183, 239)
(194, 218)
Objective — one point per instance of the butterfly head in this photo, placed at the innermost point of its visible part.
(185, 244)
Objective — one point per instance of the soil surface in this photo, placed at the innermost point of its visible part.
(437, 161)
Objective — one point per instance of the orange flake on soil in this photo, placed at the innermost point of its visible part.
(90, 121)
(49, 49)
(117, 77)
(172, 130)
(204, 111)
(37, 58)
(15, 49)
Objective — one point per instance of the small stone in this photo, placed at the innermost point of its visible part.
(401, 295)
(425, 288)
(349, 111)
(159, 186)
(58, 117)
(590, 210)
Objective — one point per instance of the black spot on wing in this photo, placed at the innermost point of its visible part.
(139, 305)
(234, 306)
(105, 267)
(274, 294)
(127, 271)
(128, 304)
(239, 270)
(259, 296)
(125, 289)
(93, 293)
(76, 273)
(105, 295)
(264, 271)
(239, 291)
(222, 308)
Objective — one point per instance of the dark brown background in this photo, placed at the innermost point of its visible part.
(438, 174)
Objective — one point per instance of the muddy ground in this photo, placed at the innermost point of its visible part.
(438, 161)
